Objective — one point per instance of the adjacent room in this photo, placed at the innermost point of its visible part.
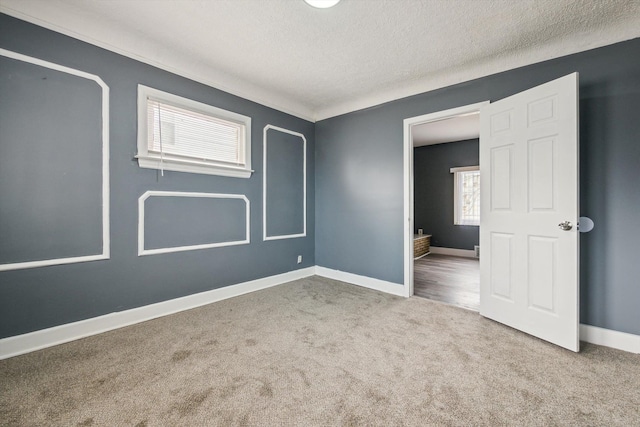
(446, 198)
(319, 212)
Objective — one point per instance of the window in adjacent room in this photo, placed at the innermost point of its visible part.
(466, 195)
(179, 134)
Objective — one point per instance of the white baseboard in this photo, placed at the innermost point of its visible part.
(467, 253)
(609, 338)
(20, 344)
(32, 341)
(364, 281)
(421, 256)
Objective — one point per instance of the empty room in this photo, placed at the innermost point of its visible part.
(210, 211)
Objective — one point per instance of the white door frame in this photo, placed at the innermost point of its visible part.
(408, 180)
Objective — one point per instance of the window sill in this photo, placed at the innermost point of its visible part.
(192, 166)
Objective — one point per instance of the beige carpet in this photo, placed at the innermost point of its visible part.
(319, 352)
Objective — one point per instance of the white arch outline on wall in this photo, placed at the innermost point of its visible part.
(264, 184)
(106, 244)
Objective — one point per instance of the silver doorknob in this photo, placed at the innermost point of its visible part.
(565, 226)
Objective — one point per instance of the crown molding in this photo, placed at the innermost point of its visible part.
(193, 71)
(190, 68)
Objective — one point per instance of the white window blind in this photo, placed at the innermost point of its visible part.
(182, 132)
(466, 195)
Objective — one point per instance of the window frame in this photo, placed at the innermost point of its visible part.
(152, 160)
(457, 202)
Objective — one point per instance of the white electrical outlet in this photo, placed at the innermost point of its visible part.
(477, 251)
(299, 259)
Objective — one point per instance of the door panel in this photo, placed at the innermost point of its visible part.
(501, 178)
(501, 266)
(529, 178)
(541, 176)
(542, 277)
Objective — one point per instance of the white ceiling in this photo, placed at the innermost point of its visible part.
(458, 128)
(318, 63)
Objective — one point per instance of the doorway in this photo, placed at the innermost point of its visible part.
(449, 279)
(440, 264)
(529, 267)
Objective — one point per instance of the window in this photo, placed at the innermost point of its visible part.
(466, 195)
(180, 134)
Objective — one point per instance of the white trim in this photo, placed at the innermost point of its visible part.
(106, 244)
(181, 66)
(492, 67)
(364, 281)
(141, 202)
(466, 253)
(37, 340)
(32, 341)
(408, 180)
(421, 256)
(264, 184)
(464, 169)
(191, 165)
(60, 20)
(610, 338)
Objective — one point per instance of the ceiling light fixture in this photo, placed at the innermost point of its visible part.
(322, 4)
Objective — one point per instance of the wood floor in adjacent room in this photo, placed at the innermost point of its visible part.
(450, 279)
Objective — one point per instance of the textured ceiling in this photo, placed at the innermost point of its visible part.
(459, 128)
(317, 63)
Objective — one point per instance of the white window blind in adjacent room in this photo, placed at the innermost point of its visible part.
(466, 195)
(184, 135)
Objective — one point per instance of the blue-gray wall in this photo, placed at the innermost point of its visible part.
(356, 196)
(433, 192)
(359, 189)
(50, 196)
(40, 161)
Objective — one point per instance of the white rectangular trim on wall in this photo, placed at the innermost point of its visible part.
(105, 166)
(141, 206)
(265, 235)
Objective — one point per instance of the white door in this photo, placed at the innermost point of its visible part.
(529, 185)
